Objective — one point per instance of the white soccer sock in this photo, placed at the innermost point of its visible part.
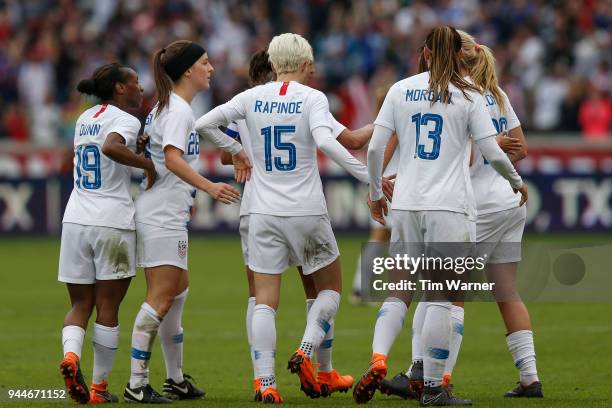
(324, 352)
(520, 344)
(457, 314)
(264, 344)
(105, 342)
(171, 338)
(320, 316)
(417, 331)
(72, 339)
(436, 337)
(388, 325)
(249, 329)
(143, 335)
(309, 303)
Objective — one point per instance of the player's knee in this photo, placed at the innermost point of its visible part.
(83, 306)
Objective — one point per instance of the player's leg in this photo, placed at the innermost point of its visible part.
(109, 294)
(268, 258)
(457, 318)
(502, 269)
(177, 385)
(244, 243)
(114, 256)
(390, 318)
(374, 248)
(442, 227)
(313, 246)
(73, 335)
(329, 379)
(77, 270)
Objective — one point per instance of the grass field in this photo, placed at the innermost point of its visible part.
(573, 340)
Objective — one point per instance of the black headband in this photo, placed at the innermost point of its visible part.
(184, 60)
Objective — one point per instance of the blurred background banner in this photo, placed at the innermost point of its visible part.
(553, 57)
(570, 190)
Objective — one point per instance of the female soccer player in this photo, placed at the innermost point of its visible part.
(435, 114)
(98, 247)
(260, 72)
(500, 224)
(288, 220)
(499, 229)
(181, 70)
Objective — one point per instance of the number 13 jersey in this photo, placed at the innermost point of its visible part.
(434, 144)
(101, 194)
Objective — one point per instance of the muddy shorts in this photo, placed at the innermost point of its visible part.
(275, 243)
(90, 253)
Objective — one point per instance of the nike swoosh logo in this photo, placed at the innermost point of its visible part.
(138, 396)
(429, 400)
(183, 390)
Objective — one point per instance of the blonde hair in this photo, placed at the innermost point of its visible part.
(479, 60)
(444, 43)
(288, 52)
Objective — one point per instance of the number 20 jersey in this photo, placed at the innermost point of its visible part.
(433, 172)
(280, 117)
(101, 194)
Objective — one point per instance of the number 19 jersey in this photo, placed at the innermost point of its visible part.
(433, 171)
(280, 117)
(101, 194)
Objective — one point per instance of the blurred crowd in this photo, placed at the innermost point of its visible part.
(554, 57)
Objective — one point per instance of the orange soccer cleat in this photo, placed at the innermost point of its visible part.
(300, 364)
(331, 381)
(271, 396)
(70, 369)
(371, 379)
(98, 394)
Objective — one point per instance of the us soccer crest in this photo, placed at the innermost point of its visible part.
(182, 249)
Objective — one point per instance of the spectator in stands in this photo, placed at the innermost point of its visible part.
(596, 115)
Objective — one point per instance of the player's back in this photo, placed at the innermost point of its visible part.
(280, 117)
(101, 194)
(433, 171)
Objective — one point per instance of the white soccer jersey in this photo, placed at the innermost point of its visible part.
(101, 194)
(235, 129)
(168, 203)
(280, 117)
(433, 171)
(493, 192)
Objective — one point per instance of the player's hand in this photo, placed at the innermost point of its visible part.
(388, 184)
(150, 174)
(378, 210)
(242, 167)
(141, 143)
(508, 144)
(223, 192)
(524, 194)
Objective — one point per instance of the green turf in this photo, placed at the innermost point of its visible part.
(573, 340)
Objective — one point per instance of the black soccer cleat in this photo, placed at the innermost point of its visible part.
(441, 397)
(70, 368)
(144, 395)
(398, 385)
(415, 377)
(183, 390)
(533, 390)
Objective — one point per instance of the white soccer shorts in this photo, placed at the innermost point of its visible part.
(161, 246)
(275, 243)
(89, 253)
(499, 234)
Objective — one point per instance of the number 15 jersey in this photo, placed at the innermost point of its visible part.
(433, 172)
(280, 117)
(101, 194)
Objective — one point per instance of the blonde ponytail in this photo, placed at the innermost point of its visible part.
(480, 62)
